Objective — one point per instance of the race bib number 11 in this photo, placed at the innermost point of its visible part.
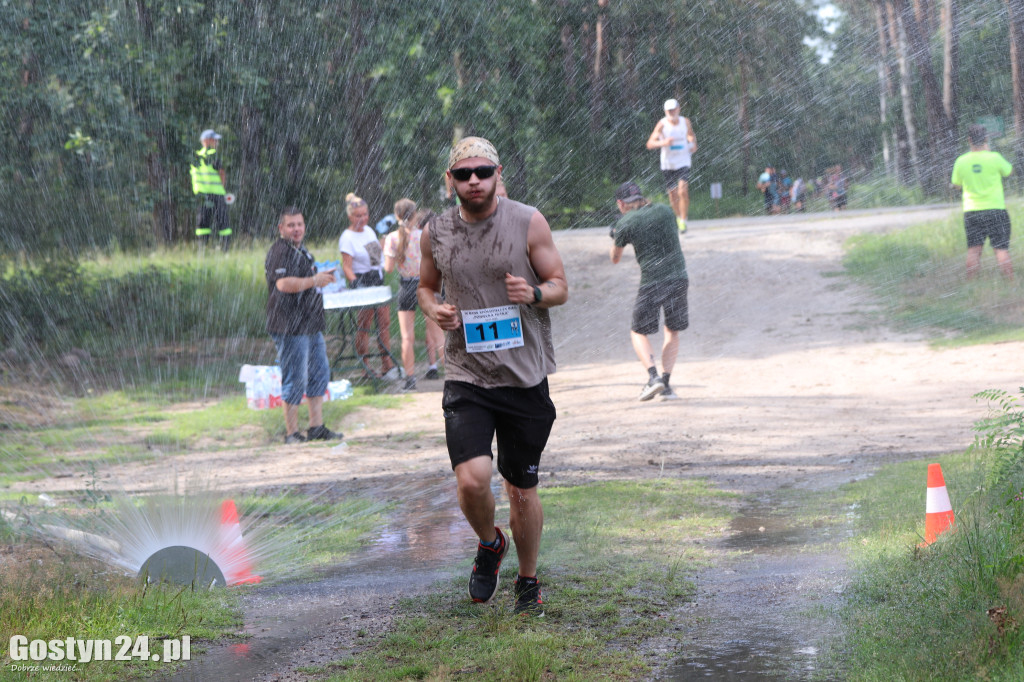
(490, 329)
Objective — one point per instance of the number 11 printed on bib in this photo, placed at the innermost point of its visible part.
(490, 329)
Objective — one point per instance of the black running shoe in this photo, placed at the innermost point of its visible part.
(293, 438)
(431, 374)
(483, 582)
(528, 598)
(323, 433)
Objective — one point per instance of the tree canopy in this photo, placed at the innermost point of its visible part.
(103, 102)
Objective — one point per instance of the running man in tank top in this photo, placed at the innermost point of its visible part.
(674, 136)
(501, 272)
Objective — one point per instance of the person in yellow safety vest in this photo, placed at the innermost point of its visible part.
(208, 184)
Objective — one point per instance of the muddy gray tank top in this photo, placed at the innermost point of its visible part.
(473, 259)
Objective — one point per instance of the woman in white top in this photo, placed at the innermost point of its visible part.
(402, 251)
(361, 261)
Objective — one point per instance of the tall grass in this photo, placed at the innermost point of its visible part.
(919, 275)
(953, 610)
(176, 317)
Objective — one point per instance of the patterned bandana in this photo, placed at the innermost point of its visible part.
(469, 147)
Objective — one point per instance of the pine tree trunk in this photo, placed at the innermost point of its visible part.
(26, 119)
(906, 100)
(1015, 9)
(743, 114)
(250, 185)
(951, 61)
(939, 153)
(884, 88)
(157, 177)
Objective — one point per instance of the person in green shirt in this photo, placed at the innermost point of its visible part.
(651, 229)
(980, 173)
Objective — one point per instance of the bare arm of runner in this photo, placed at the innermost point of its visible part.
(656, 141)
(444, 314)
(546, 262)
(691, 136)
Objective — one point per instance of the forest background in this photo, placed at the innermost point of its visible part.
(102, 102)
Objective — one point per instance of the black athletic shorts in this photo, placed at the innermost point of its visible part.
(407, 293)
(521, 417)
(993, 224)
(672, 177)
(651, 298)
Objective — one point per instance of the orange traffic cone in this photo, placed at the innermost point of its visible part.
(237, 566)
(938, 517)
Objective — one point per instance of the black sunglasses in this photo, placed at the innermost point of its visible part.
(482, 172)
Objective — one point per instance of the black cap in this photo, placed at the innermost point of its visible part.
(628, 192)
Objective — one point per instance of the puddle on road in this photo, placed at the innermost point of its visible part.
(751, 624)
(422, 543)
(741, 660)
(768, 534)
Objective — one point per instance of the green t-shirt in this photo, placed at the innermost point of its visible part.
(655, 238)
(981, 175)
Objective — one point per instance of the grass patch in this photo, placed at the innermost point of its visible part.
(609, 585)
(331, 530)
(117, 427)
(919, 275)
(951, 611)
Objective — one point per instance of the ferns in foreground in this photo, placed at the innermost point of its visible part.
(1000, 435)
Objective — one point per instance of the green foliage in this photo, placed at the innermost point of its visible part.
(104, 103)
(58, 303)
(1001, 436)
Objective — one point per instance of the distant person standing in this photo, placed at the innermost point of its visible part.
(768, 185)
(295, 320)
(501, 272)
(663, 283)
(796, 194)
(674, 136)
(837, 188)
(980, 173)
(402, 252)
(362, 261)
(208, 185)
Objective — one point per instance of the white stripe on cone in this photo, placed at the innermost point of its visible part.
(937, 501)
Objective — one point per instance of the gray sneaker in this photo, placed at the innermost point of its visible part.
(393, 374)
(653, 388)
(669, 394)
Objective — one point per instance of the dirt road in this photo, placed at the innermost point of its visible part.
(789, 377)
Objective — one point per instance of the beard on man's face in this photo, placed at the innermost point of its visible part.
(479, 201)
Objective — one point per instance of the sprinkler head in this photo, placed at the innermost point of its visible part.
(182, 565)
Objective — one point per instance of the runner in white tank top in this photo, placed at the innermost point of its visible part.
(674, 136)
(677, 154)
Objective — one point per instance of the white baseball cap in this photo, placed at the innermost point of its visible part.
(671, 104)
(208, 134)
